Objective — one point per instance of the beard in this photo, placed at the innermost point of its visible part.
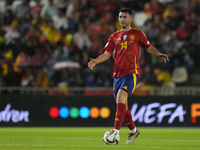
(124, 25)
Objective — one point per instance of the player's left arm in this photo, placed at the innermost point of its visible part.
(154, 51)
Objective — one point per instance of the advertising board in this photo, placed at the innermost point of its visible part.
(93, 111)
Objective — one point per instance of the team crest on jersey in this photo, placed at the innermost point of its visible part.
(124, 37)
(132, 38)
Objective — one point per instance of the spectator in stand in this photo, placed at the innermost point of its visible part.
(169, 11)
(22, 57)
(7, 6)
(49, 10)
(62, 5)
(60, 20)
(25, 23)
(93, 15)
(132, 4)
(97, 46)
(164, 35)
(195, 37)
(7, 18)
(49, 33)
(104, 6)
(197, 8)
(11, 35)
(182, 32)
(90, 22)
(21, 9)
(38, 21)
(84, 7)
(187, 8)
(81, 38)
(72, 7)
(108, 20)
(91, 80)
(2, 38)
(192, 22)
(37, 7)
(174, 22)
(104, 80)
(75, 21)
(75, 78)
(27, 78)
(183, 59)
(148, 77)
(85, 57)
(153, 7)
(33, 32)
(157, 19)
(58, 55)
(195, 44)
(150, 31)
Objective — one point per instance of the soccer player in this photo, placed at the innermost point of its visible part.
(126, 43)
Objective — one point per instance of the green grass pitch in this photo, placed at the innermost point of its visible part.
(90, 139)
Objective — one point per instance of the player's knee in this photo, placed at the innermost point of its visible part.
(122, 97)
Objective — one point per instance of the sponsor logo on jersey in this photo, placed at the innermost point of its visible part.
(124, 87)
(119, 39)
(116, 119)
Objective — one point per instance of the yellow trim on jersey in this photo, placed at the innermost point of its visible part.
(136, 68)
(141, 31)
(135, 80)
(115, 60)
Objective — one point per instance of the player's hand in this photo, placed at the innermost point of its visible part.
(91, 63)
(164, 57)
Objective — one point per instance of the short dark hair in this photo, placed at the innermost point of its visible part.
(126, 10)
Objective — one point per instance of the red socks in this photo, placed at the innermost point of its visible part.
(119, 116)
(128, 120)
(123, 115)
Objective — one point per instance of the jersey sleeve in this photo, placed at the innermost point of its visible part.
(144, 42)
(110, 45)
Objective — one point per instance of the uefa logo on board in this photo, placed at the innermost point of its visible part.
(195, 112)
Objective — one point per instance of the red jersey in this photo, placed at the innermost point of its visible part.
(127, 46)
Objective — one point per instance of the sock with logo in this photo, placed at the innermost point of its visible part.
(128, 120)
(119, 116)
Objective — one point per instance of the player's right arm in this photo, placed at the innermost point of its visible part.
(103, 57)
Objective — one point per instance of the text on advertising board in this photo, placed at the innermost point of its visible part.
(148, 114)
(195, 112)
(13, 115)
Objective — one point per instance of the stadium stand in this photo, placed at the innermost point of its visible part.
(36, 36)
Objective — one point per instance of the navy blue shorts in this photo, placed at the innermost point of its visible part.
(126, 83)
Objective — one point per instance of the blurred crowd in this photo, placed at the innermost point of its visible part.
(41, 42)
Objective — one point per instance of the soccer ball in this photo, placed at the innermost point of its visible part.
(112, 140)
